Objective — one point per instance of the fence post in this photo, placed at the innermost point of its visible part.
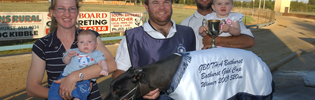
(253, 13)
(245, 17)
(258, 17)
(145, 17)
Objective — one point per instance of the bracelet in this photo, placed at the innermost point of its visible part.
(81, 76)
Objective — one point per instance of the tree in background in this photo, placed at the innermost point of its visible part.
(302, 7)
(311, 2)
(269, 4)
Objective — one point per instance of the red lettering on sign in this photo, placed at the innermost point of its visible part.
(92, 15)
(122, 19)
(95, 28)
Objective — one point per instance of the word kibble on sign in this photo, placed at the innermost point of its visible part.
(18, 34)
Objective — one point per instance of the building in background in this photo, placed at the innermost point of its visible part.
(282, 6)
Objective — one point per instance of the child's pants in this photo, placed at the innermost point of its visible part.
(81, 91)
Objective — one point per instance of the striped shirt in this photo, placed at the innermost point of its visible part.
(51, 50)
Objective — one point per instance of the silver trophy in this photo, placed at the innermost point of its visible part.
(213, 29)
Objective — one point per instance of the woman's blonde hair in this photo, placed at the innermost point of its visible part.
(53, 23)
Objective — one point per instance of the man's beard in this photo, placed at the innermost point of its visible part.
(200, 6)
(162, 21)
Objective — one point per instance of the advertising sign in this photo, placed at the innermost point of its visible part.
(21, 25)
(122, 21)
(29, 25)
(97, 21)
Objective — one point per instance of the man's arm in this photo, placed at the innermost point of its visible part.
(241, 41)
(122, 59)
(117, 73)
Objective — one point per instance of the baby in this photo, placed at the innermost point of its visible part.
(76, 59)
(222, 11)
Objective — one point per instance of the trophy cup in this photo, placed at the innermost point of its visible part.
(213, 29)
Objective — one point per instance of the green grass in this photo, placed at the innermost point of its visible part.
(248, 20)
(305, 13)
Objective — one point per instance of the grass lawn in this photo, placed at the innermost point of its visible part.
(305, 13)
(248, 20)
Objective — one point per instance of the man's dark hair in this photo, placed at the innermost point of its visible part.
(146, 2)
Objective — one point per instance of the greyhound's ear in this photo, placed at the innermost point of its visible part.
(137, 74)
(131, 69)
(137, 77)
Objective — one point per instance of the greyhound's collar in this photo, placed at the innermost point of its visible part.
(138, 70)
(132, 97)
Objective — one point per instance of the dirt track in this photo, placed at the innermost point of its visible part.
(273, 43)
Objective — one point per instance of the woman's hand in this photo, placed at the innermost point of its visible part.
(152, 94)
(67, 84)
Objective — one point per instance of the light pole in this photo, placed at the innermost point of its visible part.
(184, 4)
(242, 4)
(264, 4)
(253, 4)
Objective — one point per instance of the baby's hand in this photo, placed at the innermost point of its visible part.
(226, 28)
(104, 72)
(202, 30)
(71, 53)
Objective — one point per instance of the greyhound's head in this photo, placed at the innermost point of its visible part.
(127, 85)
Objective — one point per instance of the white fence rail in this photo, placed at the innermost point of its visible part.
(25, 46)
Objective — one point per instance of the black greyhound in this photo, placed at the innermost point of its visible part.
(135, 82)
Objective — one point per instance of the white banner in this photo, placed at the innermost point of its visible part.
(97, 21)
(221, 74)
(29, 25)
(21, 25)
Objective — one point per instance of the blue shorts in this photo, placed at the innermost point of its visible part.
(81, 91)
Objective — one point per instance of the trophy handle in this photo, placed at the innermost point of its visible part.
(205, 24)
(221, 22)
